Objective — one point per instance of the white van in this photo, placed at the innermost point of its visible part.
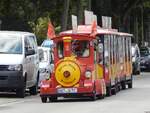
(19, 62)
(46, 63)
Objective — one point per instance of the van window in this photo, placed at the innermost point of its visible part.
(10, 44)
(30, 43)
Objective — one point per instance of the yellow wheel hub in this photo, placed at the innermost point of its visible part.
(67, 73)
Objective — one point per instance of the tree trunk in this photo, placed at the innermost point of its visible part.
(89, 5)
(64, 19)
(79, 12)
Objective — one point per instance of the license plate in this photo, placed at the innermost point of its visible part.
(67, 90)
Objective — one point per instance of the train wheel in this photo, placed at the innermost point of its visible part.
(101, 96)
(114, 90)
(44, 99)
(108, 90)
(130, 85)
(123, 85)
(93, 98)
(52, 99)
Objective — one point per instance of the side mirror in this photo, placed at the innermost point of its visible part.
(29, 52)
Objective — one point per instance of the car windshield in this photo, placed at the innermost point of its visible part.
(47, 43)
(144, 51)
(10, 44)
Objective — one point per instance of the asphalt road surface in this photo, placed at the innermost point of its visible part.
(136, 100)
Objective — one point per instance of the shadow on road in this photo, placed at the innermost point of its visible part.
(10, 95)
(73, 100)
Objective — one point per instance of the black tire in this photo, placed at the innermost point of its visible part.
(20, 92)
(101, 96)
(34, 90)
(108, 90)
(130, 83)
(114, 90)
(123, 84)
(93, 97)
(44, 99)
(52, 99)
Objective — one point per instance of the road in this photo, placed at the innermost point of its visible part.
(136, 100)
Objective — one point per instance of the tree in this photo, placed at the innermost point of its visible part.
(64, 19)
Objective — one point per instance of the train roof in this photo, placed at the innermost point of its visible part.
(86, 29)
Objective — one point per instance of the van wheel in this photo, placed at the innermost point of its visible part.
(34, 90)
(21, 91)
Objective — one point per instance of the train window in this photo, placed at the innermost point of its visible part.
(60, 47)
(106, 50)
(80, 48)
(100, 49)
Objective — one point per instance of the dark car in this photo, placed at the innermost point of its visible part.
(145, 58)
(135, 59)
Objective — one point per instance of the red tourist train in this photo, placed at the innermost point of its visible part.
(89, 64)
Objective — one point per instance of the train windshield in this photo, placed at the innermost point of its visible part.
(80, 48)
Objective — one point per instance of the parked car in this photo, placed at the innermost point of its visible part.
(46, 64)
(135, 59)
(19, 62)
(145, 58)
(47, 43)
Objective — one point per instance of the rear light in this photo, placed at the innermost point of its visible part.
(44, 84)
(88, 74)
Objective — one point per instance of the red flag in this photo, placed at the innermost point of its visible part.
(50, 31)
(94, 28)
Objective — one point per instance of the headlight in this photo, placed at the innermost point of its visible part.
(88, 74)
(15, 67)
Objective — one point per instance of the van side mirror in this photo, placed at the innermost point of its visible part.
(29, 52)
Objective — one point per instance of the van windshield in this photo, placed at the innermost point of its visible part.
(10, 44)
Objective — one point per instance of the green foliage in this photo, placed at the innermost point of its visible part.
(40, 28)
